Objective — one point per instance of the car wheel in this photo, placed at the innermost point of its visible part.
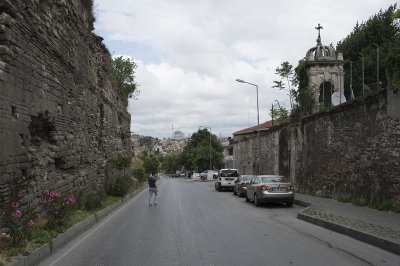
(290, 203)
(256, 201)
(247, 199)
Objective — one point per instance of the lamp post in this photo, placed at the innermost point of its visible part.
(210, 143)
(258, 126)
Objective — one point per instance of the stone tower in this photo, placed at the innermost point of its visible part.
(325, 73)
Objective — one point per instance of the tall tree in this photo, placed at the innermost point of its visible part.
(381, 30)
(172, 162)
(196, 154)
(287, 74)
(151, 164)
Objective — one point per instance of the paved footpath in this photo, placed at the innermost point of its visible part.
(378, 228)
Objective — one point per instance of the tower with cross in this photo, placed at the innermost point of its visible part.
(325, 72)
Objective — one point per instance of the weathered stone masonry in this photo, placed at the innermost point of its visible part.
(350, 151)
(61, 116)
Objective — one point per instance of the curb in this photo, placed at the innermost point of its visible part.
(374, 240)
(45, 251)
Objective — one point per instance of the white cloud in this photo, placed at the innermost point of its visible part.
(203, 46)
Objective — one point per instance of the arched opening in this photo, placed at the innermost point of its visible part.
(325, 93)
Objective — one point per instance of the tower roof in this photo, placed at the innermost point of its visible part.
(320, 51)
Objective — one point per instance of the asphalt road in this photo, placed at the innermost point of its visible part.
(196, 225)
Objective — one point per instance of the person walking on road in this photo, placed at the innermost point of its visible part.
(153, 189)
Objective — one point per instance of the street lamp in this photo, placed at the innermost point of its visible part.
(210, 143)
(258, 126)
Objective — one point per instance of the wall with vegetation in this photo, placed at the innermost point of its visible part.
(61, 115)
(351, 151)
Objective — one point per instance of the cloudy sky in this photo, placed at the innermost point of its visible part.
(190, 52)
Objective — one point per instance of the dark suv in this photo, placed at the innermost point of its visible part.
(226, 179)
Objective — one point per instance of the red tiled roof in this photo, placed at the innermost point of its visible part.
(255, 128)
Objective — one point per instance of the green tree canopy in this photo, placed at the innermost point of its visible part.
(172, 162)
(124, 74)
(383, 30)
(196, 154)
(151, 164)
(119, 162)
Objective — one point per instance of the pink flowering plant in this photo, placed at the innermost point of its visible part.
(57, 208)
(16, 217)
(117, 186)
(92, 197)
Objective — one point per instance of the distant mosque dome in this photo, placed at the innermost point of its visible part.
(178, 135)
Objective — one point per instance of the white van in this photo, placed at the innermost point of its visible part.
(226, 179)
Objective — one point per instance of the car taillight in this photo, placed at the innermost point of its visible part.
(243, 184)
(265, 188)
(289, 188)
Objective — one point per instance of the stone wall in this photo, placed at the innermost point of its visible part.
(61, 116)
(351, 151)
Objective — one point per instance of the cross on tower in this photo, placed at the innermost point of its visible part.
(319, 28)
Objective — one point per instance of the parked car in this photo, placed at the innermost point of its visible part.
(270, 188)
(240, 184)
(226, 179)
(204, 174)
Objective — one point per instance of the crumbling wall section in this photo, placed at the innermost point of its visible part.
(61, 116)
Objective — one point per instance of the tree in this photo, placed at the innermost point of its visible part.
(172, 162)
(286, 73)
(119, 162)
(196, 154)
(151, 164)
(383, 30)
(147, 141)
(124, 74)
(280, 114)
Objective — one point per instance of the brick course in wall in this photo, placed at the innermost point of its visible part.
(61, 116)
(351, 151)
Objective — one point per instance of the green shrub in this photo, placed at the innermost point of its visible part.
(117, 186)
(92, 197)
(139, 174)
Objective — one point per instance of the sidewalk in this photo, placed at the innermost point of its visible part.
(378, 228)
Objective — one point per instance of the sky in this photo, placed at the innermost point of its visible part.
(190, 52)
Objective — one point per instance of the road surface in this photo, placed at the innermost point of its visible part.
(195, 225)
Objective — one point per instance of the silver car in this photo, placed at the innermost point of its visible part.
(270, 188)
(240, 185)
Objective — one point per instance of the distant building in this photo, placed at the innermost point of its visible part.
(135, 141)
(227, 143)
(178, 135)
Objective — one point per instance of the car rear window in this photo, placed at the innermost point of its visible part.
(273, 179)
(229, 173)
(247, 177)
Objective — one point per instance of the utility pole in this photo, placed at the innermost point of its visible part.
(362, 62)
(377, 66)
(272, 114)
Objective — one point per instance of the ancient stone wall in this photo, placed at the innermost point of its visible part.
(61, 116)
(351, 151)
